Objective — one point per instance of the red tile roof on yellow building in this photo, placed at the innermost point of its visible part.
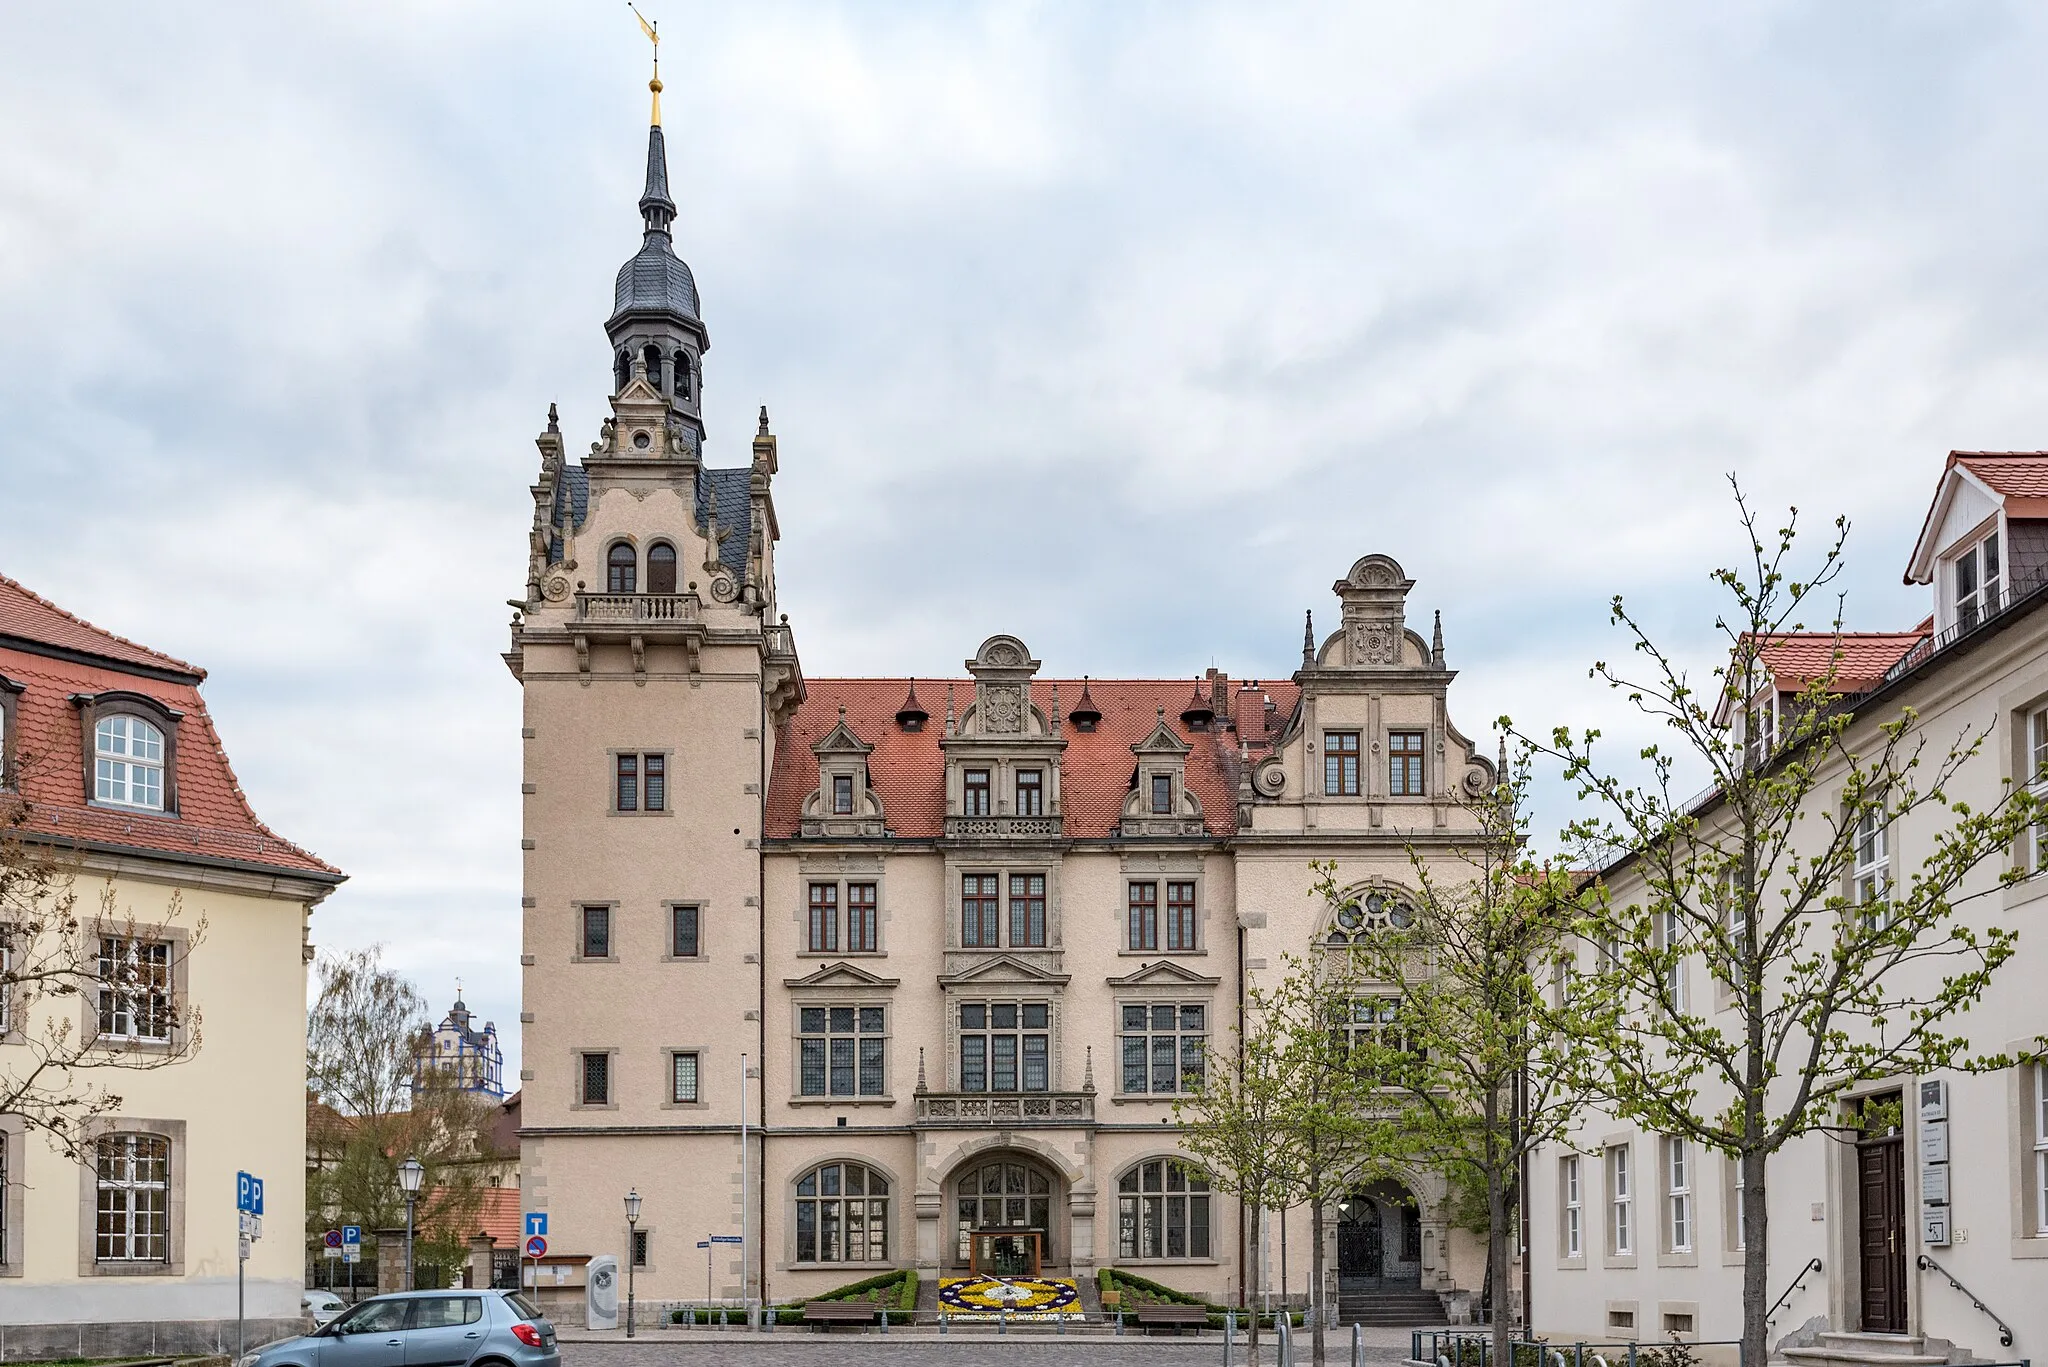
(908, 769)
(1859, 659)
(52, 656)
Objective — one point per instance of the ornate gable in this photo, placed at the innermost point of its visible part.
(1166, 973)
(840, 976)
(1160, 802)
(843, 804)
(1004, 970)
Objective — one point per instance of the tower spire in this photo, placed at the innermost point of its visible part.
(653, 32)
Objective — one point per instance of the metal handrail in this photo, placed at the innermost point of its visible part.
(2004, 1329)
(1812, 1265)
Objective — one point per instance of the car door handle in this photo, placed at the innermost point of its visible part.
(472, 1334)
(394, 1343)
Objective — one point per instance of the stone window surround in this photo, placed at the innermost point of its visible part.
(1153, 994)
(1666, 1308)
(95, 707)
(643, 1231)
(668, 1078)
(1373, 772)
(2022, 1102)
(668, 931)
(1567, 1261)
(576, 1101)
(834, 872)
(576, 955)
(1116, 1194)
(830, 995)
(1162, 869)
(1002, 780)
(1049, 867)
(180, 938)
(14, 1137)
(1731, 1200)
(10, 720)
(2015, 708)
(896, 1210)
(1668, 1256)
(1634, 1326)
(172, 1131)
(13, 1034)
(1052, 994)
(611, 779)
(1609, 1256)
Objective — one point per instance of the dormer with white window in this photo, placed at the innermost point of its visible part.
(842, 804)
(1160, 802)
(1985, 539)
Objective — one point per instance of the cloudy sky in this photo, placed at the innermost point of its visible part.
(1125, 328)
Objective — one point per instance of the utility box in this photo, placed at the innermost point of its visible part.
(601, 1293)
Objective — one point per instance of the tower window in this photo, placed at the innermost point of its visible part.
(661, 568)
(621, 570)
(682, 371)
(622, 370)
(652, 357)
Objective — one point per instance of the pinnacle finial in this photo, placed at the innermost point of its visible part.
(554, 419)
(1436, 641)
(653, 32)
(1308, 637)
(763, 430)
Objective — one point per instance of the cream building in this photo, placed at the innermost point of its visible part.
(1637, 1235)
(947, 949)
(134, 1251)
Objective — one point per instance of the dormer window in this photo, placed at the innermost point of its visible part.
(842, 794)
(1030, 792)
(128, 762)
(1760, 726)
(1162, 794)
(1978, 583)
(974, 793)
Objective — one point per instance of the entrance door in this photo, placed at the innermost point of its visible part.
(1005, 1254)
(1881, 1233)
(1361, 1242)
(1008, 1196)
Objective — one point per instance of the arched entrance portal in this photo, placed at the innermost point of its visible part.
(1006, 1217)
(1379, 1238)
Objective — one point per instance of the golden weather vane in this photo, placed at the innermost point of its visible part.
(653, 32)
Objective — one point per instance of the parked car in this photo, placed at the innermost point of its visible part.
(323, 1306)
(444, 1327)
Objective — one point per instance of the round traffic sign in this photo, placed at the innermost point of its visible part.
(537, 1246)
(333, 1239)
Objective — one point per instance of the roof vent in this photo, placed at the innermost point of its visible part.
(1199, 713)
(1085, 716)
(912, 716)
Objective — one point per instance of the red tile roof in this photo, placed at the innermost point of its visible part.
(2014, 474)
(1859, 658)
(908, 770)
(500, 1217)
(34, 618)
(213, 821)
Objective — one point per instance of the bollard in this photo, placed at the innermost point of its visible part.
(1357, 1346)
(1229, 1333)
(723, 1322)
(1283, 1325)
(882, 1313)
(1119, 1322)
(942, 1320)
(1004, 1327)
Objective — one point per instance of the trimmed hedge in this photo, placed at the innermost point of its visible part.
(1138, 1291)
(895, 1290)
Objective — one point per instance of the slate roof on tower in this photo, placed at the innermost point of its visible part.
(908, 770)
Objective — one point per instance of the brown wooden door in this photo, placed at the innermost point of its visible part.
(1881, 1191)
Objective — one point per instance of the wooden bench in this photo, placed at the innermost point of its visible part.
(1174, 1317)
(825, 1314)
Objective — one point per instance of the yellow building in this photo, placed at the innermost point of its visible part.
(189, 961)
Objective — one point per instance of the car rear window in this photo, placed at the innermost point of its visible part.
(521, 1306)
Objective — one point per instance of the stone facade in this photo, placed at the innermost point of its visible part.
(947, 948)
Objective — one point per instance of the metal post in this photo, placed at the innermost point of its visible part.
(410, 1281)
(744, 1284)
(630, 1250)
(1357, 1346)
(942, 1320)
(1004, 1326)
(241, 1261)
(1229, 1332)
(1283, 1323)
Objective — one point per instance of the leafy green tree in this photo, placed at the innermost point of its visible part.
(366, 1029)
(1451, 1021)
(1826, 985)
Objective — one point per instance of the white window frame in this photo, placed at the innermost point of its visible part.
(136, 1000)
(2037, 784)
(1986, 594)
(2040, 1136)
(1620, 1201)
(1678, 1193)
(1870, 879)
(133, 1211)
(1573, 1206)
(1740, 1222)
(128, 762)
(1665, 933)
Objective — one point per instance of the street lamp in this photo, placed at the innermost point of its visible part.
(632, 1250)
(410, 1174)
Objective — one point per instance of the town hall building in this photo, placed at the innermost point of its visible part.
(881, 973)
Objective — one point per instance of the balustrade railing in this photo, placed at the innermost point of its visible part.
(678, 608)
(969, 1109)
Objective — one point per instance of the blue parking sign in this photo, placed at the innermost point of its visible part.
(248, 1193)
(351, 1234)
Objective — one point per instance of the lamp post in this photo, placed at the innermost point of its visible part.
(410, 1174)
(632, 1251)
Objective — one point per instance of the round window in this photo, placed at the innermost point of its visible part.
(641, 441)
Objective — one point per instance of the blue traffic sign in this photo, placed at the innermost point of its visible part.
(248, 1193)
(351, 1234)
(703, 1243)
(725, 1238)
(536, 1222)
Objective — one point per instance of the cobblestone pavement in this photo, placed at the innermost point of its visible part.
(898, 1349)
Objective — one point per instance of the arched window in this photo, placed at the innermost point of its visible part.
(842, 1215)
(651, 354)
(1162, 1211)
(621, 570)
(681, 361)
(661, 568)
(134, 1205)
(622, 371)
(128, 762)
(1360, 916)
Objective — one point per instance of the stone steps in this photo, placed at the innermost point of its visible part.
(1400, 1309)
(1864, 1350)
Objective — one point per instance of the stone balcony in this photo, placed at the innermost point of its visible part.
(639, 609)
(1004, 1110)
(1004, 828)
